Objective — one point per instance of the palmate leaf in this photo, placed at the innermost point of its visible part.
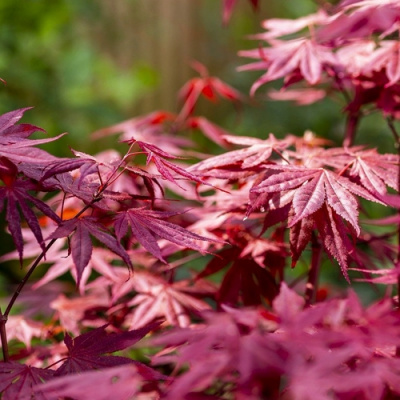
(278, 27)
(333, 233)
(19, 199)
(147, 225)
(303, 55)
(87, 351)
(81, 244)
(17, 381)
(14, 144)
(319, 198)
(313, 186)
(224, 349)
(360, 19)
(74, 187)
(87, 165)
(208, 86)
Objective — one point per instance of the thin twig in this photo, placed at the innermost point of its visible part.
(312, 284)
(396, 136)
(3, 335)
(351, 128)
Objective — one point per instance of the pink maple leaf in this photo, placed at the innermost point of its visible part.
(120, 382)
(257, 152)
(312, 187)
(284, 58)
(158, 298)
(277, 27)
(24, 329)
(301, 97)
(360, 19)
(386, 57)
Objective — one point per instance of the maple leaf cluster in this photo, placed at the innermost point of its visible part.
(350, 48)
(182, 267)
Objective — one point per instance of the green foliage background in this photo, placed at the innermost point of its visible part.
(81, 70)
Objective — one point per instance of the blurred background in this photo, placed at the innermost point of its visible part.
(88, 64)
(85, 65)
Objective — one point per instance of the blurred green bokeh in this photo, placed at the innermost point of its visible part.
(85, 65)
(51, 58)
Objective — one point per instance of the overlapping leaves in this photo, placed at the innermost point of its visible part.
(80, 231)
(147, 225)
(311, 187)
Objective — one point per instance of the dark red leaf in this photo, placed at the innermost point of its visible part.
(86, 352)
(18, 380)
(81, 244)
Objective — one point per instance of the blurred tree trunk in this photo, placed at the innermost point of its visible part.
(163, 36)
(155, 34)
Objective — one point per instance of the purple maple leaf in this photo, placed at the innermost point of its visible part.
(81, 243)
(14, 142)
(17, 381)
(86, 352)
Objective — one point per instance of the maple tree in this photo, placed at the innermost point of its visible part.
(185, 268)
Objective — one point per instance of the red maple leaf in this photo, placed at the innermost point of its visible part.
(245, 280)
(319, 197)
(208, 86)
(165, 167)
(312, 186)
(229, 5)
(374, 171)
